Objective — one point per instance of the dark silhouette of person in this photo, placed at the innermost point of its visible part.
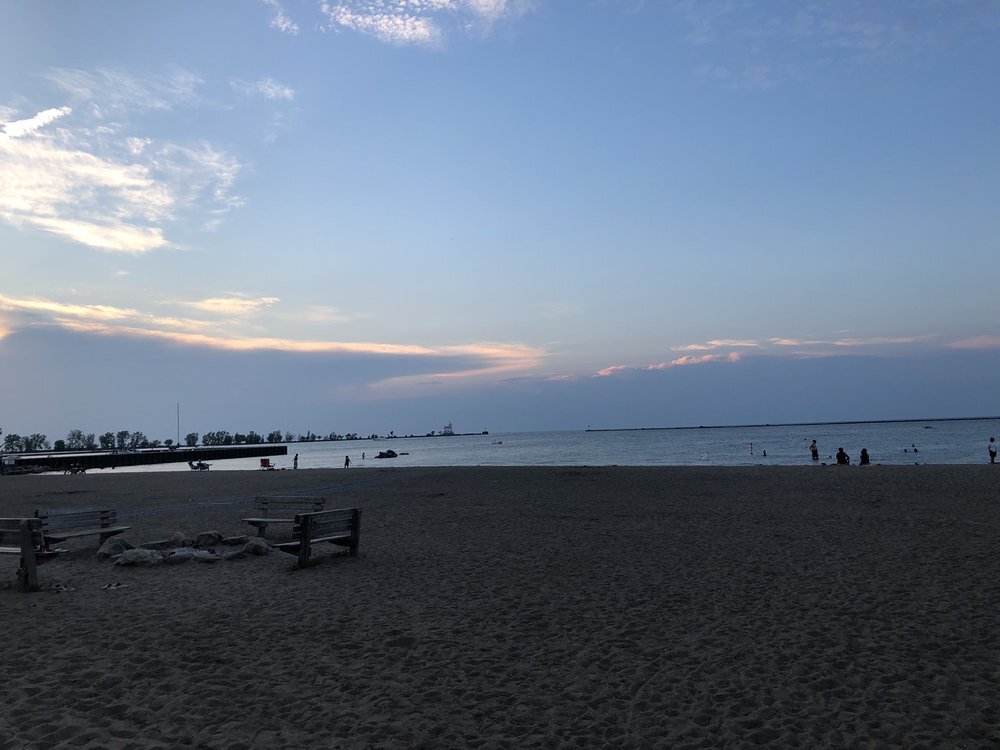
(814, 449)
(842, 458)
(865, 459)
(347, 461)
(295, 461)
(991, 448)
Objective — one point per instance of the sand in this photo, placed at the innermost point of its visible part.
(530, 607)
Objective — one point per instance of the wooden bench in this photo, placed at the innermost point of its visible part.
(282, 509)
(60, 525)
(23, 536)
(341, 527)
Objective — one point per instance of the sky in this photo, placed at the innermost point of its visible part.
(375, 215)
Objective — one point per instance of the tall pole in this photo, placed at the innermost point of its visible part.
(178, 424)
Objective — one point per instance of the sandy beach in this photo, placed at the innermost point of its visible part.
(530, 607)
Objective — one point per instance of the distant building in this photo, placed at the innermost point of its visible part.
(448, 430)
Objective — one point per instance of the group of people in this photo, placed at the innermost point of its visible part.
(842, 458)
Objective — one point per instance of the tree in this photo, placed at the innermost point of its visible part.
(76, 440)
(253, 438)
(13, 443)
(37, 442)
(137, 440)
(274, 436)
(59, 445)
(289, 437)
(122, 437)
(107, 441)
(191, 439)
(168, 442)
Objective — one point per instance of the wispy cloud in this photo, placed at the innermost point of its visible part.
(81, 172)
(422, 22)
(735, 350)
(236, 305)
(757, 45)
(280, 20)
(267, 88)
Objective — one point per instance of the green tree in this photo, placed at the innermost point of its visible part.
(274, 436)
(137, 440)
(59, 445)
(289, 437)
(107, 441)
(191, 439)
(13, 443)
(37, 442)
(76, 440)
(122, 438)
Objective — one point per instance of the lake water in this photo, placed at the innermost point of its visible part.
(936, 442)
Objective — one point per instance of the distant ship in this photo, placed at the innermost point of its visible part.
(448, 430)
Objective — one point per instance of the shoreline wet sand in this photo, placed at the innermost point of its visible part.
(523, 607)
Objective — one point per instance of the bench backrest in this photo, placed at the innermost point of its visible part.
(10, 531)
(87, 518)
(327, 523)
(286, 506)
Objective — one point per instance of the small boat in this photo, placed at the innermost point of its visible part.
(387, 454)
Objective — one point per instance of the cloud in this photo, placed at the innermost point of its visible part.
(231, 305)
(977, 342)
(23, 127)
(280, 21)
(470, 361)
(716, 344)
(422, 22)
(76, 173)
(757, 45)
(266, 87)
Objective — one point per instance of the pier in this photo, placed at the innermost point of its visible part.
(37, 463)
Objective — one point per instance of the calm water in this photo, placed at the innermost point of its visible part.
(948, 442)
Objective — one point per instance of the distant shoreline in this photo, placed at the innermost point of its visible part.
(789, 424)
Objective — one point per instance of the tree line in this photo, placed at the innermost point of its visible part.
(78, 440)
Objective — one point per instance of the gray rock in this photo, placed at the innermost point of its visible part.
(207, 539)
(180, 539)
(235, 541)
(204, 556)
(160, 544)
(237, 555)
(139, 557)
(179, 555)
(113, 546)
(256, 546)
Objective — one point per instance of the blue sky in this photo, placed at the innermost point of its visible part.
(367, 216)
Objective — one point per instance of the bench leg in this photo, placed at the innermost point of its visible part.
(305, 539)
(28, 558)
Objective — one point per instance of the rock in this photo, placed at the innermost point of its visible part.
(204, 556)
(113, 546)
(179, 555)
(235, 541)
(138, 557)
(160, 544)
(256, 546)
(207, 539)
(237, 555)
(180, 539)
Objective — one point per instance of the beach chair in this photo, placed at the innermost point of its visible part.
(266, 465)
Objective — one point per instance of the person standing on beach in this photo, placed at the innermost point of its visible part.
(991, 448)
(295, 461)
(814, 449)
(347, 462)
